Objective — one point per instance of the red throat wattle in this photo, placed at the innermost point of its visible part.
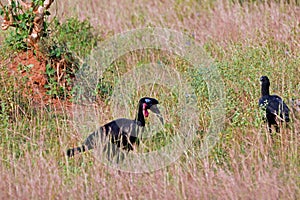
(145, 111)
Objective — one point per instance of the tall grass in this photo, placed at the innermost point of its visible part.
(246, 41)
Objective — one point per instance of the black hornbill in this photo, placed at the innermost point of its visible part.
(122, 132)
(274, 106)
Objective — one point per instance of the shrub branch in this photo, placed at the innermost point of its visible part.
(16, 8)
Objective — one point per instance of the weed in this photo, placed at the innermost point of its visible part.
(23, 23)
(247, 39)
(67, 44)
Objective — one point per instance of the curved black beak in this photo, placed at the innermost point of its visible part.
(155, 110)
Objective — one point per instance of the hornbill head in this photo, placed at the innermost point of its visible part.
(150, 104)
(264, 80)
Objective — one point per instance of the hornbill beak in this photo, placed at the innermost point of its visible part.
(155, 110)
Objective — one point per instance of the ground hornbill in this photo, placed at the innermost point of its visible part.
(122, 132)
(276, 109)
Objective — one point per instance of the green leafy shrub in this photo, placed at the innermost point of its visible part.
(22, 22)
(66, 45)
(62, 45)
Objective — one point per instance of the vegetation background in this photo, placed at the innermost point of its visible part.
(246, 39)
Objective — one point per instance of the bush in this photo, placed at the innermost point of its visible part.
(23, 23)
(67, 43)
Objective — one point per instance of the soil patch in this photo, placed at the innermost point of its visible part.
(30, 69)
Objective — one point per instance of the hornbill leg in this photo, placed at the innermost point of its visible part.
(277, 128)
(72, 152)
(269, 127)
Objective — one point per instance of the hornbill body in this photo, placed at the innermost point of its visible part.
(276, 109)
(122, 132)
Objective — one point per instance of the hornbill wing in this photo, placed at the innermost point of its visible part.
(278, 107)
(124, 127)
(114, 130)
(274, 105)
(263, 102)
(94, 138)
(266, 104)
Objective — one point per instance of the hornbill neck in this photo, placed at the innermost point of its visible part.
(140, 116)
(265, 89)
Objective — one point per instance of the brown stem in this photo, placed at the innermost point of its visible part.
(38, 21)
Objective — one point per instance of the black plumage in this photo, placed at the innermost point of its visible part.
(275, 109)
(122, 132)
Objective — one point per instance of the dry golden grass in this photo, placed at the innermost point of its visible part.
(246, 41)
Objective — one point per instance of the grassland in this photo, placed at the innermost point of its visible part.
(245, 40)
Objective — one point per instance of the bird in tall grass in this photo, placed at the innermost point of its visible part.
(276, 111)
(122, 132)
